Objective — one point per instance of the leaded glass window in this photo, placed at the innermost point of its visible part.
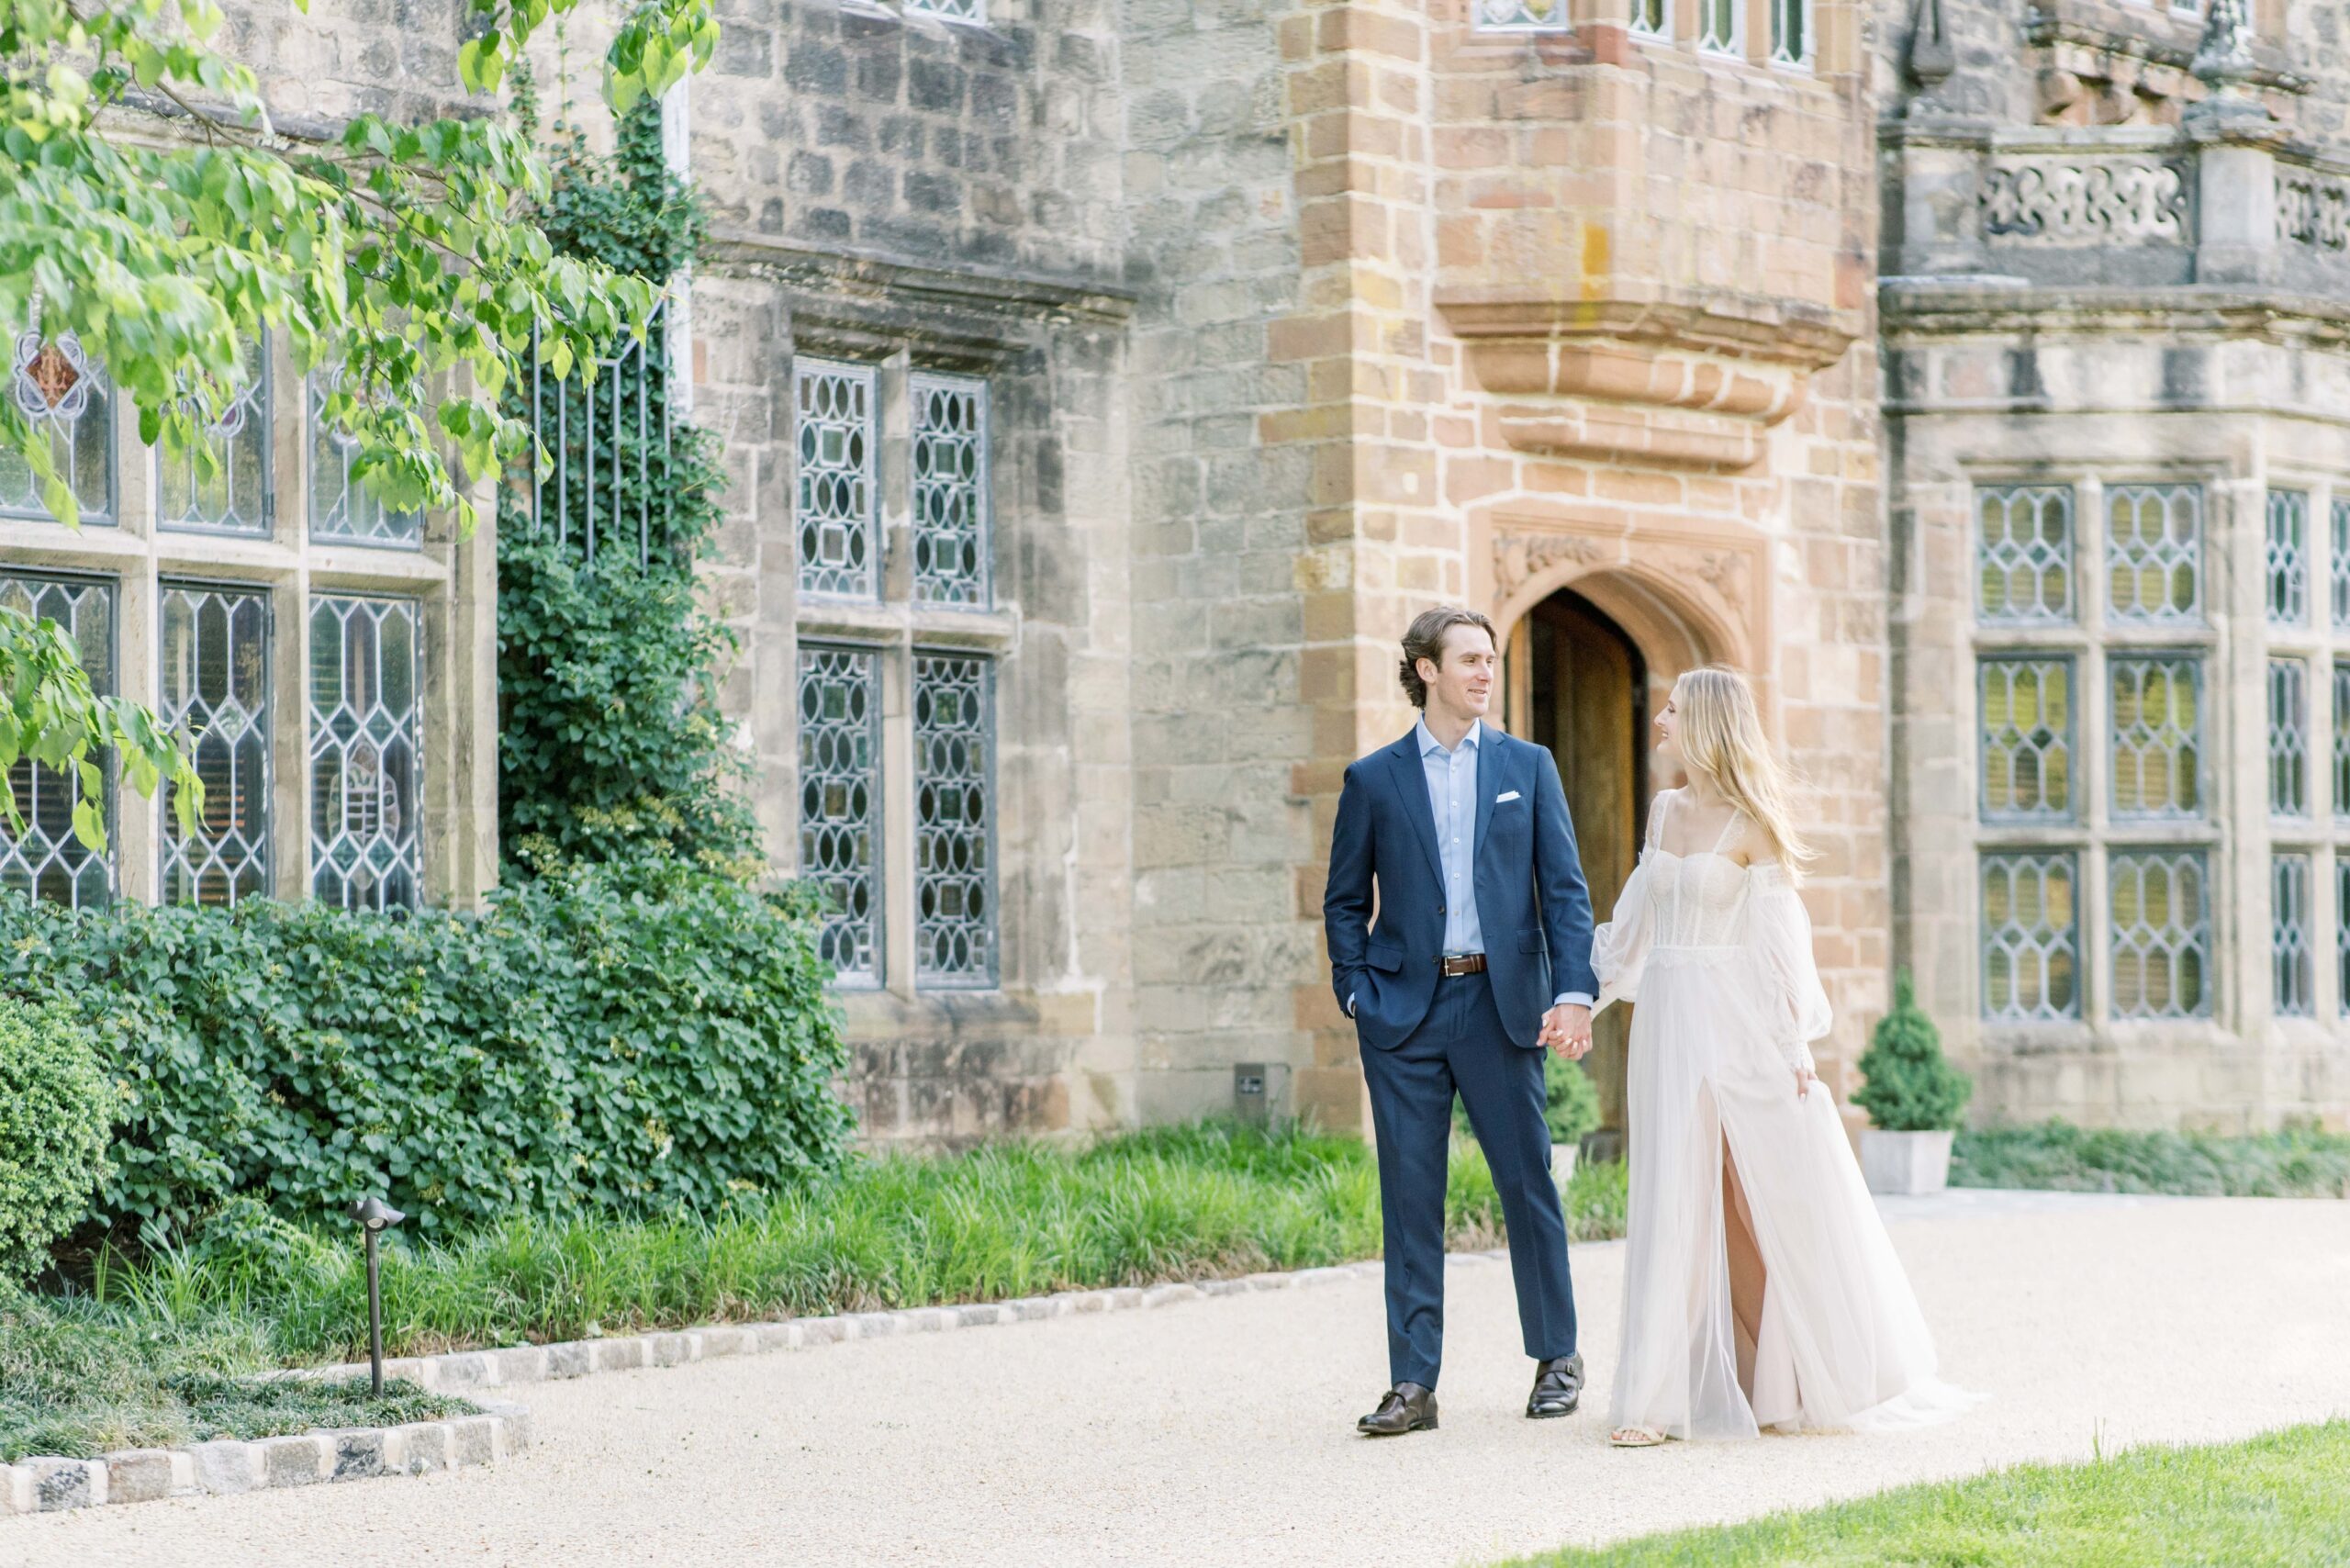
(1652, 19)
(2342, 738)
(1717, 30)
(2338, 567)
(2288, 557)
(2024, 554)
(2342, 934)
(2291, 925)
(1790, 32)
(367, 753)
(951, 501)
(1521, 15)
(216, 693)
(955, 924)
(955, 10)
(2289, 757)
(2153, 553)
(840, 802)
(224, 487)
(2162, 934)
(64, 397)
(342, 507)
(45, 858)
(836, 443)
(2030, 938)
(2027, 731)
(2157, 713)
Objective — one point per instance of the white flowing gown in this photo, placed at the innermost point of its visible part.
(1717, 956)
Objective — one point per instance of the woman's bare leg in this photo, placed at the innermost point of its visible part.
(1747, 1278)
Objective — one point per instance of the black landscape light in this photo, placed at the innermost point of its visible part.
(375, 1215)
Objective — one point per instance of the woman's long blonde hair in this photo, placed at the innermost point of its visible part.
(1720, 741)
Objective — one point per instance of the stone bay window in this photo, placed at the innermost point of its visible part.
(327, 657)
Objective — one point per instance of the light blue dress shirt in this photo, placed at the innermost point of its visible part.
(1452, 797)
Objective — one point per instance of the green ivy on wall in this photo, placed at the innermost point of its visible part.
(612, 746)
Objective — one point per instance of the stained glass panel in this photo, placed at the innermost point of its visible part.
(367, 753)
(955, 919)
(840, 802)
(45, 859)
(216, 692)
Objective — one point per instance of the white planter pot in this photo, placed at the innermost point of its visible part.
(1563, 1162)
(1905, 1164)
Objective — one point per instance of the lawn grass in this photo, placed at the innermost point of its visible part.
(2278, 1500)
(78, 1379)
(1192, 1202)
(2060, 1157)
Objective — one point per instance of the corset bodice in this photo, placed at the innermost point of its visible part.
(1696, 900)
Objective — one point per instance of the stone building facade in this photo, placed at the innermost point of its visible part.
(1105, 384)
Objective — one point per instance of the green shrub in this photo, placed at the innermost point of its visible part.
(2294, 1163)
(1911, 1088)
(56, 1106)
(591, 1037)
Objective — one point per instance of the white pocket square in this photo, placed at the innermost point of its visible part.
(1506, 797)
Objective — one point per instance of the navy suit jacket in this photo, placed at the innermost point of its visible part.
(1531, 901)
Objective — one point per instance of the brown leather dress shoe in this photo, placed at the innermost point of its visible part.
(1408, 1407)
(1558, 1388)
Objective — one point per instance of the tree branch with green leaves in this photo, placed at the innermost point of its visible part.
(150, 206)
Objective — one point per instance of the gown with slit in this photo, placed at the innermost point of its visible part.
(1759, 1289)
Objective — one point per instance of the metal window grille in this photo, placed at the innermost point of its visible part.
(2153, 554)
(1652, 19)
(1522, 16)
(2162, 934)
(1717, 26)
(342, 506)
(611, 445)
(2338, 571)
(367, 753)
(953, 508)
(45, 859)
(2026, 711)
(955, 919)
(1790, 32)
(2288, 557)
(2030, 938)
(2289, 752)
(2156, 717)
(234, 496)
(840, 802)
(64, 397)
(2024, 554)
(216, 692)
(2291, 922)
(835, 442)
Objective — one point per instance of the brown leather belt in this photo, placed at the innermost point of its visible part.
(1466, 964)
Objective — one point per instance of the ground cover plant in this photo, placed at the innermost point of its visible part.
(2272, 1502)
(80, 1377)
(2064, 1158)
(1007, 1221)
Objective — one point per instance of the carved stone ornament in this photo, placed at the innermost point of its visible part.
(1520, 557)
(1930, 59)
(2313, 210)
(2055, 202)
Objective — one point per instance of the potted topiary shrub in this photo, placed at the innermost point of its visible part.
(1572, 1107)
(1913, 1095)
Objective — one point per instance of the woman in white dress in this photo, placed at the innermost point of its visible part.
(1760, 1290)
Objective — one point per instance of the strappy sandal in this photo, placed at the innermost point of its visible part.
(1636, 1438)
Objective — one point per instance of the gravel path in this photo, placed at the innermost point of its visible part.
(1220, 1431)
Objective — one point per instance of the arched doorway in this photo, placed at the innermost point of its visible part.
(1579, 685)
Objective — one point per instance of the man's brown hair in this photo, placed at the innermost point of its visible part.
(1425, 640)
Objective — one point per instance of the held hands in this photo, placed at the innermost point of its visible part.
(1566, 1029)
(1805, 1078)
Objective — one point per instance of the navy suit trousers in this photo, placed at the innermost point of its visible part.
(1462, 1046)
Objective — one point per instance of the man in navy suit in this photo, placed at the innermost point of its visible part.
(1481, 902)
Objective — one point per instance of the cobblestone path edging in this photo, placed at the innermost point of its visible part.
(140, 1475)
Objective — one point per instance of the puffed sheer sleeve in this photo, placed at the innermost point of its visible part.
(1619, 949)
(1778, 931)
